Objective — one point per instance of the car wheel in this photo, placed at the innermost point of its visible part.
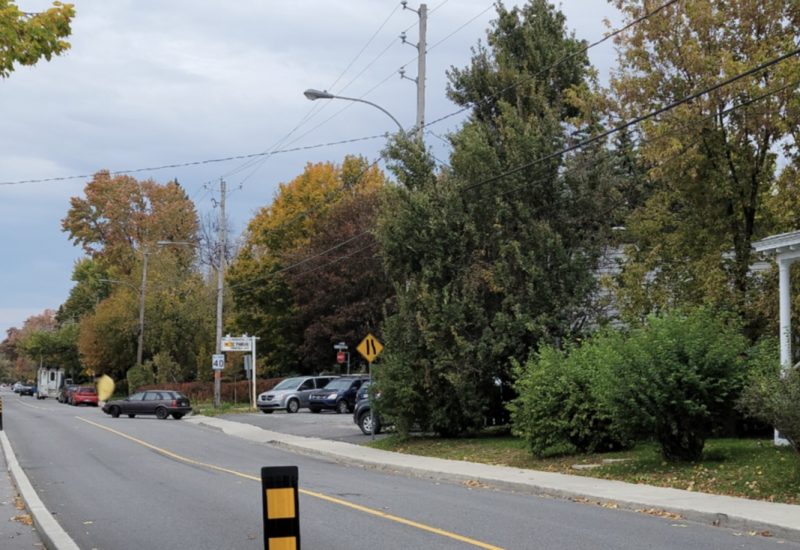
(266, 411)
(292, 406)
(114, 411)
(341, 407)
(161, 413)
(177, 416)
(314, 409)
(131, 416)
(365, 423)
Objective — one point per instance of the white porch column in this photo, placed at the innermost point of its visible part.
(784, 265)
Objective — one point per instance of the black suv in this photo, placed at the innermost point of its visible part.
(339, 395)
(362, 414)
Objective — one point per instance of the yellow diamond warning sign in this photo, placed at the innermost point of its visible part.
(370, 348)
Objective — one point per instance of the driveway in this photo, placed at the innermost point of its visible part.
(324, 425)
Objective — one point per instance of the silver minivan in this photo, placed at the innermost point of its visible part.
(291, 394)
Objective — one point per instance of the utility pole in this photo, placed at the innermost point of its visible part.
(220, 285)
(421, 46)
(142, 290)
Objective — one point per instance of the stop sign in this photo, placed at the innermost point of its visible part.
(340, 357)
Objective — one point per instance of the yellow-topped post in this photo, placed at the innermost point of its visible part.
(279, 493)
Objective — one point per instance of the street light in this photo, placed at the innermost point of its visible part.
(312, 95)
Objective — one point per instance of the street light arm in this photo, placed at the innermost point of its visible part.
(313, 95)
(400, 126)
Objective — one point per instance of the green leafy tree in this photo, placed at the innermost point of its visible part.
(25, 38)
(488, 266)
(55, 347)
(91, 287)
(711, 171)
(107, 339)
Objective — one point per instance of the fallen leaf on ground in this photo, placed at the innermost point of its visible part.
(23, 518)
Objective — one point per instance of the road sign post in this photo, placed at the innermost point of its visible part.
(244, 343)
(369, 348)
(343, 351)
(253, 374)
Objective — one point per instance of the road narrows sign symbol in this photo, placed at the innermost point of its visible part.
(370, 348)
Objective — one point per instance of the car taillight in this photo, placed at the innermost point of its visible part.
(174, 402)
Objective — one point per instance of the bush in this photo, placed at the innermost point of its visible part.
(140, 375)
(772, 397)
(559, 410)
(678, 378)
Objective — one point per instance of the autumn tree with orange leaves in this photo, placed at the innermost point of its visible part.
(277, 241)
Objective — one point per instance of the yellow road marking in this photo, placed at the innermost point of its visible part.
(334, 500)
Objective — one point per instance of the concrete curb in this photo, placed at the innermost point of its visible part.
(780, 520)
(52, 534)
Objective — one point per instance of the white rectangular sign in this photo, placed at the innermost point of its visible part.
(237, 343)
(218, 362)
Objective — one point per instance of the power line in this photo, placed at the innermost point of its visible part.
(557, 63)
(594, 139)
(457, 30)
(637, 120)
(199, 162)
(375, 34)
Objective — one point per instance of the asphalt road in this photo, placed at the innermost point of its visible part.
(125, 484)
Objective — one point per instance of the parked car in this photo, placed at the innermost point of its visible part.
(66, 392)
(339, 395)
(15, 388)
(291, 394)
(83, 395)
(161, 403)
(27, 389)
(363, 417)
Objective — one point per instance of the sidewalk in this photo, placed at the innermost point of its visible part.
(780, 520)
(14, 534)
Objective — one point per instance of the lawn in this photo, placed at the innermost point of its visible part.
(750, 468)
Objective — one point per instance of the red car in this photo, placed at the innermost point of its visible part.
(84, 394)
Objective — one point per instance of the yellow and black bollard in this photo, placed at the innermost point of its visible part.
(279, 493)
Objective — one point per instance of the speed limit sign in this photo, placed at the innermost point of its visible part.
(218, 361)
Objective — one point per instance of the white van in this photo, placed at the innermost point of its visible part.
(291, 394)
(49, 382)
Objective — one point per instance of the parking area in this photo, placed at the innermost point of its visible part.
(324, 425)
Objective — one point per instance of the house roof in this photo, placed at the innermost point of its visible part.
(779, 244)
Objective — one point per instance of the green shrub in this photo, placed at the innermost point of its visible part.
(140, 375)
(680, 375)
(772, 397)
(559, 410)
(166, 368)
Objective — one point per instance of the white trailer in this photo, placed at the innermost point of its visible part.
(49, 382)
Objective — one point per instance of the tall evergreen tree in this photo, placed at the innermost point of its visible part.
(496, 256)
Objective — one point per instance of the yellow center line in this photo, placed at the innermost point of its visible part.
(320, 496)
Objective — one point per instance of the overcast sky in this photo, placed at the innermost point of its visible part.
(149, 83)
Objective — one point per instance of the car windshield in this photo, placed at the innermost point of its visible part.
(339, 384)
(289, 384)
